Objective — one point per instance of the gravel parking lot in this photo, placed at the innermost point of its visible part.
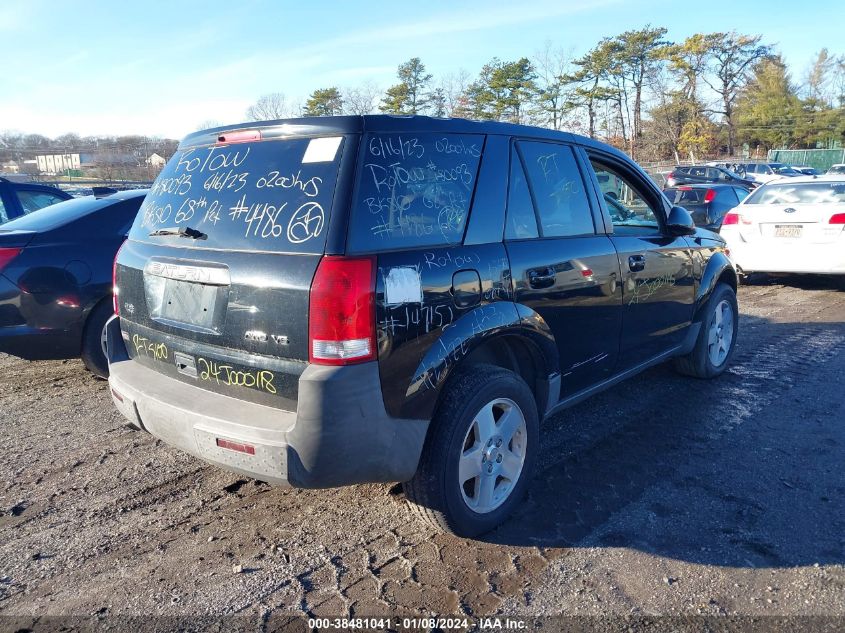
(665, 495)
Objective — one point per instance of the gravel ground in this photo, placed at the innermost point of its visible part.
(665, 495)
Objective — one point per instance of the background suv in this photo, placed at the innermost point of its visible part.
(698, 174)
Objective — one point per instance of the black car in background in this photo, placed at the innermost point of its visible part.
(56, 277)
(697, 174)
(20, 198)
(707, 204)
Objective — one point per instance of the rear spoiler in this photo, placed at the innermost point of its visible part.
(102, 192)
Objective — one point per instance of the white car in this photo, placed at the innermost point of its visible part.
(837, 169)
(795, 225)
(766, 172)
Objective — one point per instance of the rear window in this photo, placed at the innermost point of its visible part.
(685, 196)
(273, 195)
(799, 193)
(414, 190)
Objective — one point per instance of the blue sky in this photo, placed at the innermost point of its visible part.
(162, 68)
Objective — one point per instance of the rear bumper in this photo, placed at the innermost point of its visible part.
(754, 256)
(39, 344)
(34, 330)
(339, 435)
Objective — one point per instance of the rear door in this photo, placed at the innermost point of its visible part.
(656, 268)
(213, 282)
(563, 265)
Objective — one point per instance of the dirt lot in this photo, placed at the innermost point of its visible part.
(665, 495)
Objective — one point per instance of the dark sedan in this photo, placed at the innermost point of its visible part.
(707, 204)
(706, 174)
(56, 277)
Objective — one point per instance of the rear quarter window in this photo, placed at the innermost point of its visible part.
(413, 190)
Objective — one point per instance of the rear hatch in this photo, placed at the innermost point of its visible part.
(213, 283)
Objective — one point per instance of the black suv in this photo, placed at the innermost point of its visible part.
(328, 301)
(20, 198)
(702, 174)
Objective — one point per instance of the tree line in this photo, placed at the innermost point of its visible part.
(712, 93)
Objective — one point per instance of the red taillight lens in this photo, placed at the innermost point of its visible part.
(708, 197)
(241, 136)
(836, 218)
(342, 311)
(114, 288)
(730, 218)
(7, 255)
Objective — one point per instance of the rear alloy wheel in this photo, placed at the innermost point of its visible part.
(716, 340)
(493, 456)
(721, 333)
(479, 453)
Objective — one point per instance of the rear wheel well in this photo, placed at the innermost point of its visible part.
(518, 355)
(728, 277)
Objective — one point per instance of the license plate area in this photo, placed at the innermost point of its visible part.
(187, 296)
(788, 230)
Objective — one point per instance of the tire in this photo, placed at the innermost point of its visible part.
(93, 352)
(484, 393)
(716, 341)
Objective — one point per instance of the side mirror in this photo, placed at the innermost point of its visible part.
(680, 222)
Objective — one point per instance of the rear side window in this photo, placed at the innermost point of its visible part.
(557, 188)
(273, 195)
(4, 217)
(521, 222)
(33, 200)
(414, 190)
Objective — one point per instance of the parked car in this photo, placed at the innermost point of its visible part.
(328, 301)
(806, 170)
(56, 278)
(790, 226)
(20, 198)
(698, 174)
(761, 173)
(707, 204)
(836, 170)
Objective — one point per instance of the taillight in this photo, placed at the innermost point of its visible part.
(730, 218)
(342, 311)
(708, 197)
(114, 288)
(7, 255)
(836, 218)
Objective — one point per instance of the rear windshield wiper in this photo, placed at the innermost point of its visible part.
(184, 231)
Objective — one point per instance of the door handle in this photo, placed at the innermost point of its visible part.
(541, 278)
(636, 263)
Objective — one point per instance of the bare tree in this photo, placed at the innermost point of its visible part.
(208, 124)
(268, 107)
(454, 86)
(732, 59)
(361, 99)
(552, 64)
